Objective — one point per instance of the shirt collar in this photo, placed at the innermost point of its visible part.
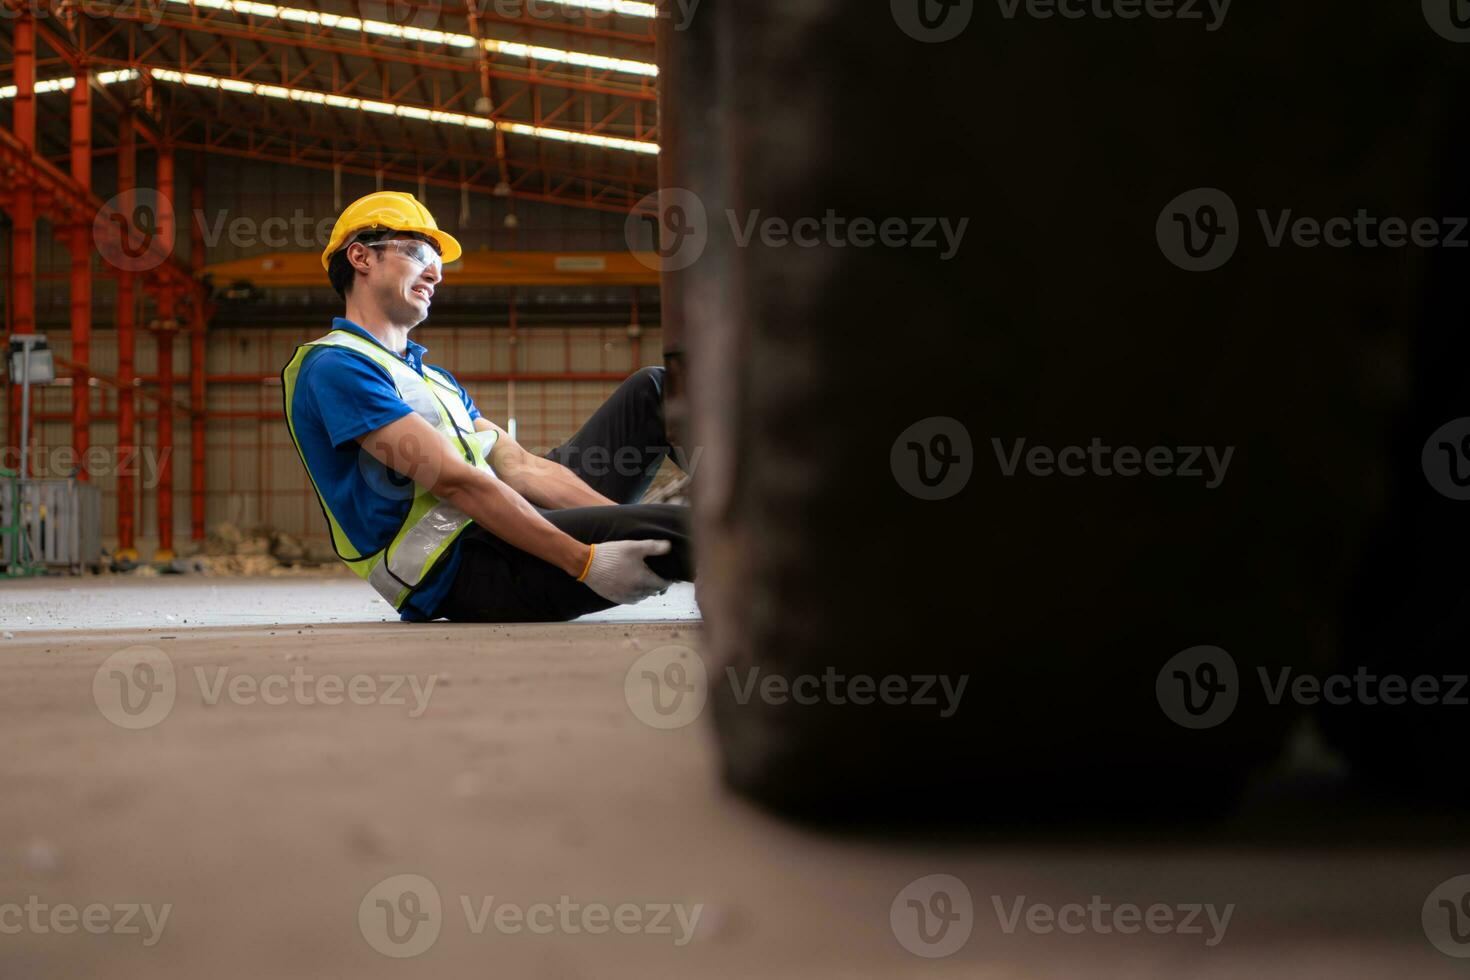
(414, 355)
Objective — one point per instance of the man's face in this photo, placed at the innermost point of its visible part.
(401, 275)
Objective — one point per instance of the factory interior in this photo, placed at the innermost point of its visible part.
(926, 489)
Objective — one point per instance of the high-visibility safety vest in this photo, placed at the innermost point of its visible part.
(431, 525)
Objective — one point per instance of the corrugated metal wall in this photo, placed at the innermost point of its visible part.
(252, 474)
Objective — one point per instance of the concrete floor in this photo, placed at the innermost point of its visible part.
(178, 601)
(522, 770)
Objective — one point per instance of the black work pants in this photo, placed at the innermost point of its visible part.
(617, 453)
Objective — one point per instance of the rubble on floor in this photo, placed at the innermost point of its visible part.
(227, 550)
(262, 551)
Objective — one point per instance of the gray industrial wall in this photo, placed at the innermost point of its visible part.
(252, 474)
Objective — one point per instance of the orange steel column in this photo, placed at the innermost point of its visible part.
(127, 463)
(163, 339)
(81, 273)
(196, 355)
(23, 214)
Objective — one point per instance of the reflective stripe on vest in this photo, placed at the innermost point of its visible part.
(431, 525)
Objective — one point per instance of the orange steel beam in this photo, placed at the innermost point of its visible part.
(35, 187)
(163, 341)
(340, 145)
(75, 60)
(430, 16)
(24, 45)
(487, 91)
(607, 199)
(574, 79)
(461, 101)
(127, 179)
(80, 238)
(20, 198)
(134, 387)
(58, 197)
(488, 13)
(604, 190)
(298, 269)
(200, 322)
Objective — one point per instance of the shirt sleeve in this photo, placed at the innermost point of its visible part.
(353, 395)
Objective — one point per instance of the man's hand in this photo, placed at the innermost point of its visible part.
(618, 573)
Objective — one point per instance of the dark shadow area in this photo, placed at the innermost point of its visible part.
(922, 470)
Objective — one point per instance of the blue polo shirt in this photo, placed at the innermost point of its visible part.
(341, 396)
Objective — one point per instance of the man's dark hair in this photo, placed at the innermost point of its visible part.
(340, 272)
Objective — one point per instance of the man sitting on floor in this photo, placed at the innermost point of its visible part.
(436, 506)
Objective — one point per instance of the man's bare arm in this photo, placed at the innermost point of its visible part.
(543, 482)
(413, 448)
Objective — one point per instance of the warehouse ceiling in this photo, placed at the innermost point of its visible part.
(547, 100)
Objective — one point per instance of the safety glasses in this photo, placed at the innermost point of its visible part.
(421, 252)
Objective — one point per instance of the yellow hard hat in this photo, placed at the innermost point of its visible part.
(389, 210)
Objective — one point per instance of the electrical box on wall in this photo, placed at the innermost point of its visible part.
(41, 369)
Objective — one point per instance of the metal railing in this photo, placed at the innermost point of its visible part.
(49, 524)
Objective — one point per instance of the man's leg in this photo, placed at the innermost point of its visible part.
(622, 445)
(617, 452)
(497, 583)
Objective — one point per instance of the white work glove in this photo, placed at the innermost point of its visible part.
(618, 574)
